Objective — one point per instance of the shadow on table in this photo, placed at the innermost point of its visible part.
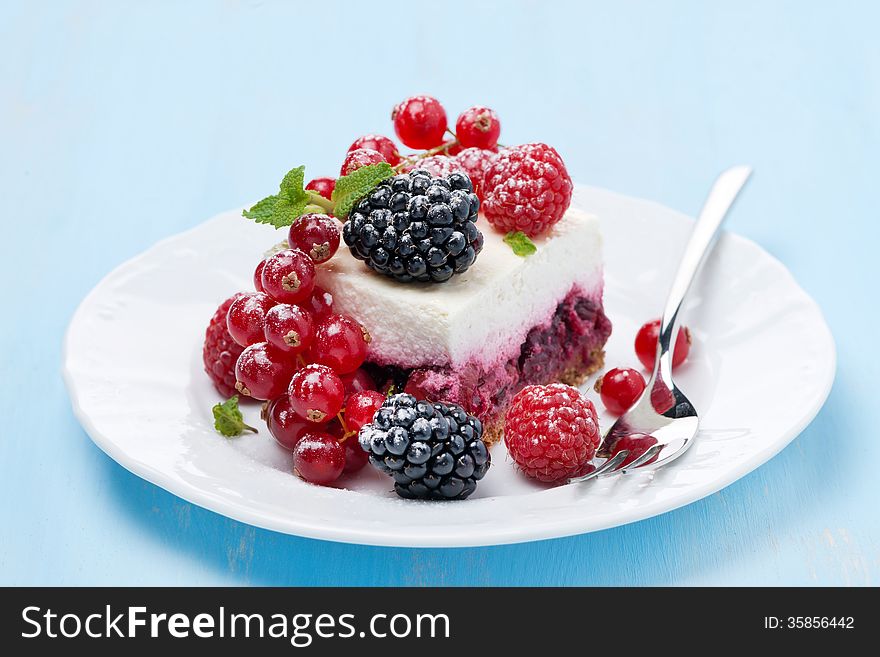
(679, 547)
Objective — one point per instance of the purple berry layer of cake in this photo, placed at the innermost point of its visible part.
(509, 321)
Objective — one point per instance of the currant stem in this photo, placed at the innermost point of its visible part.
(320, 201)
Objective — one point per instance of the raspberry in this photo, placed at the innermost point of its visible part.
(358, 158)
(437, 165)
(478, 126)
(551, 432)
(474, 162)
(416, 227)
(526, 188)
(324, 186)
(221, 351)
(383, 145)
(432, 451)
(420, 122)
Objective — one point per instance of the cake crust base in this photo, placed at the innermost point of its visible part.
(573, 375)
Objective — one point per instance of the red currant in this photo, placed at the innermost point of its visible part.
(358, 158)
(324, 186)
(263, 371)
(289, 276)
(357, 381)
(355, 457)
(315, 234)
(246, 317)
(646, 344)
(318, 458)
(361, 407)
(420, 122)
(383, 145)
(637, 444)
(340, 343)
(478, 126)
(289, 328)
(620, 388)
(258, 276)
(284, 424)
(316, 393)
(320, 304)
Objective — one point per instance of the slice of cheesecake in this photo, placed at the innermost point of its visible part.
(507, 322)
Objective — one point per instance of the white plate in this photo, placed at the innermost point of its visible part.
(761, 367)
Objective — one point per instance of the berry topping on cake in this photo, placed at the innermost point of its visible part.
(220, 350)
(551, 432)
(420, 122)
(417, 227)
(526, 188)
(316, 235)
(316, 393)
(319, 458)
(358, 158)
(646, 344)
(324, 186)
(383, 145)
(246, 317)
(432, 451)
(619, 388)
(478, 127)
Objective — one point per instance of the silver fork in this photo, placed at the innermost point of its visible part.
(663, 423)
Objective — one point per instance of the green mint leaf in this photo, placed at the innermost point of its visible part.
(287, 212)
(353, 187)
(263, 211)
(292, 187)
(520, 243)
(282, 209)
(228, 420)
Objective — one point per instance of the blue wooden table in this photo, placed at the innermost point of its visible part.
(124, 122)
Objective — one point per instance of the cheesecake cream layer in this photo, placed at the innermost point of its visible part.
(484, 313)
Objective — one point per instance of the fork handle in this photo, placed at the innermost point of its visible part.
(706, 231)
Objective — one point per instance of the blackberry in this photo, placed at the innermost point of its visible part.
(417, 227)
(432, 451)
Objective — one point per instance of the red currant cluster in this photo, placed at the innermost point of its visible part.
(522, 188)
(303, 359)
(421, 124)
